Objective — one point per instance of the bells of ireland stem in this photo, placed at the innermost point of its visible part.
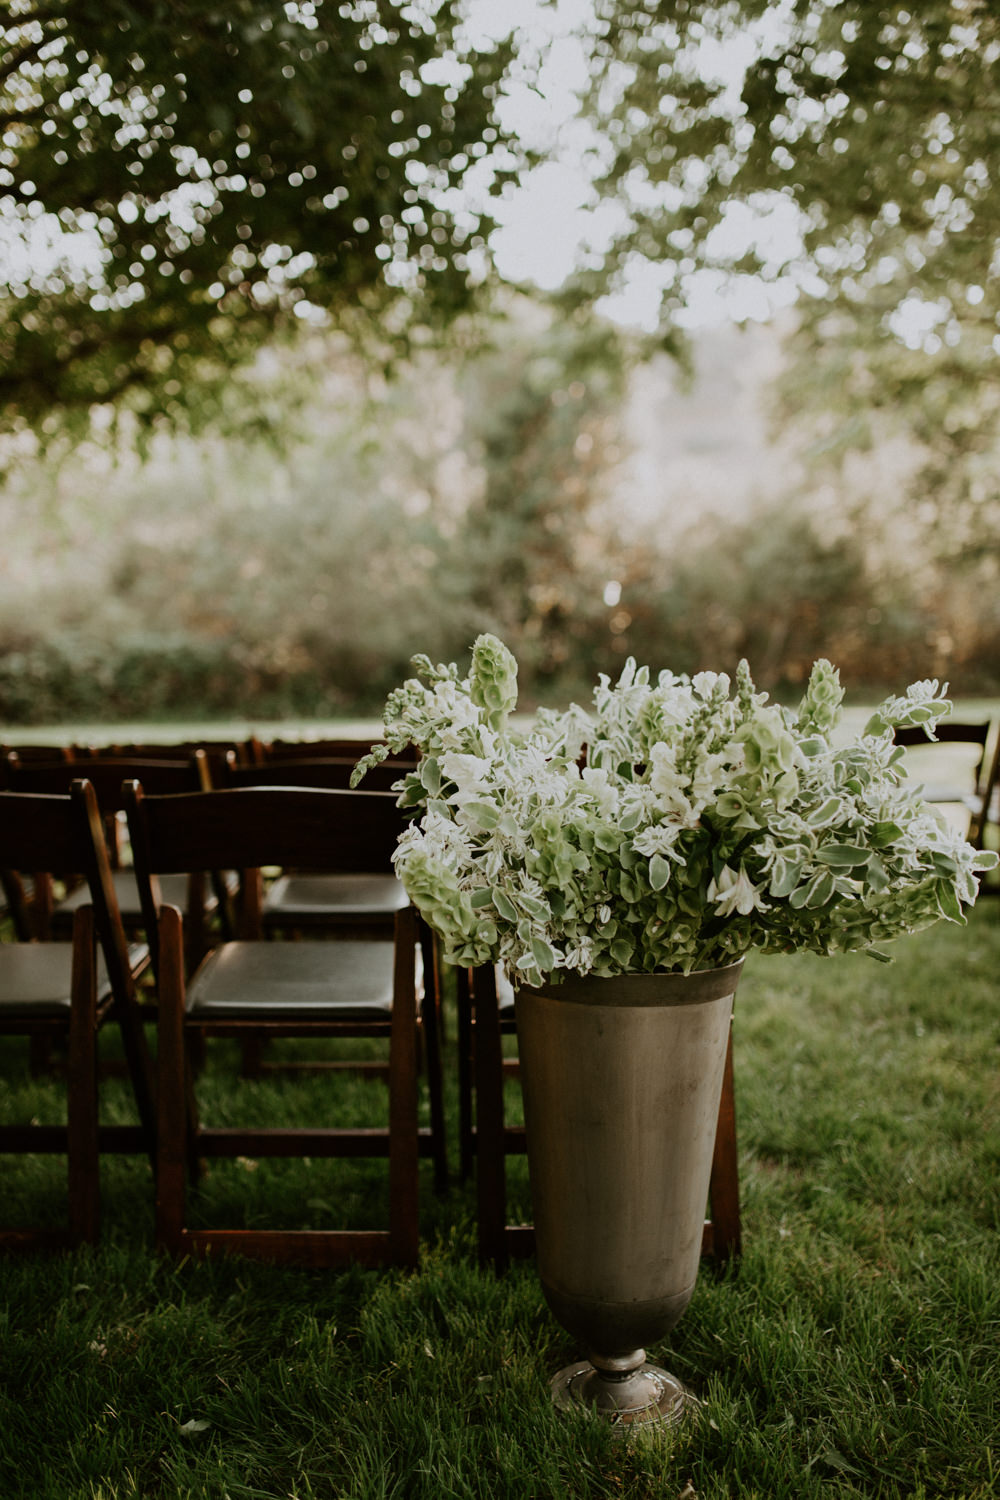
(493, 680)
(820, 707)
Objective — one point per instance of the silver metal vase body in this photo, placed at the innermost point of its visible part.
(622, 1079)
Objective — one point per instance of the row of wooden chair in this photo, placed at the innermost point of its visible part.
(365, 985)
(251, 751)
(220, 1001)
(314, 894)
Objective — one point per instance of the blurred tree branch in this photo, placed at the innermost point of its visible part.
(180, 185)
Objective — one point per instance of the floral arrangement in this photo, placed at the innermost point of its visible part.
(676, 825)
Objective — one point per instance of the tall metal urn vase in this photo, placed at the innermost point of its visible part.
(622, 1079)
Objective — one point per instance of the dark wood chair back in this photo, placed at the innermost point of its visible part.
(323, 771)
(214, 751)
(250, 827)
(108, 774)
(348, 748)
(973, 793)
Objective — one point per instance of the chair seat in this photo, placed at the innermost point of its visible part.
(349, 981)
(936, 791)
(334, 895)
(35, 979)
(505, 995)
(173, 888)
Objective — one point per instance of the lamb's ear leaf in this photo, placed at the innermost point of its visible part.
(430, 775)
(485, 815)
(543, 953)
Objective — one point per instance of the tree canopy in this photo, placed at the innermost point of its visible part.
(850, 146)
(845, 152)
(180, 183)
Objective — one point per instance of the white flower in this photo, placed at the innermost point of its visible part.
(579, 957)
(600, 792)
(470, 773)
(705, 683)
(658, 838)
(675, 701)
(732, 892)
(671, 786)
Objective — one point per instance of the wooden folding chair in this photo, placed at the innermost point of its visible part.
(486, 1015)
(985, 809)
(972, 794)
(62, 992)
(215, 752)
(347, 988)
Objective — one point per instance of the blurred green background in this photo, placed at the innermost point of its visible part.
(331, 334)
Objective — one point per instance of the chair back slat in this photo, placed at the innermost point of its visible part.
(36, 832)
(952, 732)
(250, 827)
(107, 774)
(325, 771)
(318, 749)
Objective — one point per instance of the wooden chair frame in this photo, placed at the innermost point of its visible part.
(260, 752)
(329, 772)
(975, 798)
(986, 809)
(58, 831)
(251, 827)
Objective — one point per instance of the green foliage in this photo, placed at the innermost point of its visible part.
(227, 578)
(542, 407)
(477, 494)
(776, 589)
(678, 824)
(181, 184)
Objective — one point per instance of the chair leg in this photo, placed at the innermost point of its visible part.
(83, 1160)
(724, 1189)
(404, 1226)
(491, 1175)
(172, 1145)
(465, 1070)
(431, 1017)
(252, 1056)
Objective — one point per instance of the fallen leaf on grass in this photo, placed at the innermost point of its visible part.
(189, 1429)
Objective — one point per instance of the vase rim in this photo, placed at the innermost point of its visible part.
(666, 987)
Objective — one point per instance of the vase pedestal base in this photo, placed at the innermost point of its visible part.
(626, 1392)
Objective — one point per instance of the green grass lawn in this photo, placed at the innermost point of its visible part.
(855, 1351)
